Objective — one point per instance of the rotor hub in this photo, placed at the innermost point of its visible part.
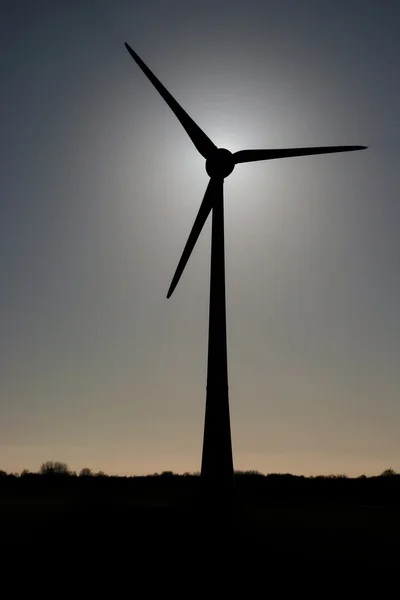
(221, 164)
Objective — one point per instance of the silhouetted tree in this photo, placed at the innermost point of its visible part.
(3, 474)
(388, 473)
(54, 468)
(85, 472)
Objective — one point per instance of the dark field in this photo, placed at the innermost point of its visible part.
(274, 517)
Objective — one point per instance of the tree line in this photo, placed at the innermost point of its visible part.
(57, 468)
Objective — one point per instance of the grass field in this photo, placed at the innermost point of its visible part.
(164, 516)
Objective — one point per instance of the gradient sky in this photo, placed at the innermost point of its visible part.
(99, 188)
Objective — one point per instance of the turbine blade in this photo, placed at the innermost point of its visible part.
(253, 155)
(213, 193)
(202, 142)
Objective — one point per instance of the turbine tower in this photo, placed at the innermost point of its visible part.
(217, 460)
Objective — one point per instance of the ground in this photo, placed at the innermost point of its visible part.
(167, 519)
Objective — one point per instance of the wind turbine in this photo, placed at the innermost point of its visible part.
(217, 461)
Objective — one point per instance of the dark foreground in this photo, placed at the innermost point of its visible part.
(164, 520)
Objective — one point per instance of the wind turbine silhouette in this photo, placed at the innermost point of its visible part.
(217, 461)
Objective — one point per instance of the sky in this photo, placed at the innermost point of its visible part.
(99, 189)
